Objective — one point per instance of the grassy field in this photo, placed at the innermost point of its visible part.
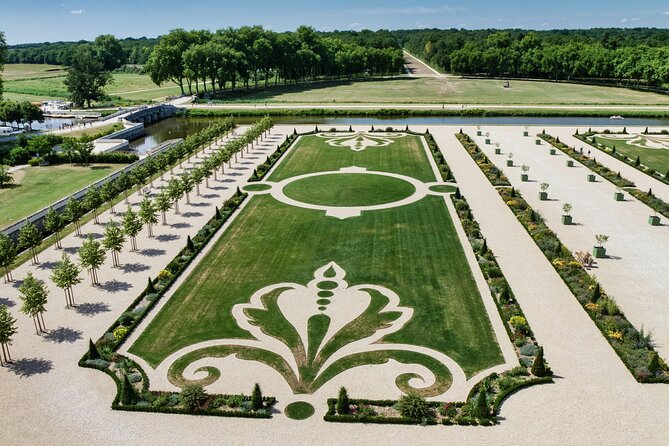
(655, 158)
(454, 90)
(37, 187)
(412, 250)
(40, 82)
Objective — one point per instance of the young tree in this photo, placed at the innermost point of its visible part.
(113, 241)
(343, 402)
(197, 176)
(108, 193)
(481, 409)
(65, 276)
(148, 214)
(85, 148)
(7, 331)
(132, 224)
(256, 398)
(187, 185)
(30, 238)
(34, 296)
(92, 256)
(123, 184)
(73, 212)
(92, 201)
(163, 204)
(5, 177)
(7, 255)
(175, 192)
(128, 393)
(53, 223)
(69, 148)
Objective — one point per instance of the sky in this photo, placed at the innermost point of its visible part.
(28, 21)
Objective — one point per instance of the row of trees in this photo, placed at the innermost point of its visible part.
(20, 114)
(614, 57)
(204, 61)
(93, 253)
(3, 55)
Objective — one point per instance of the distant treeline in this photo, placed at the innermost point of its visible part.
(135, 51)
(202, 62)
(623, 56)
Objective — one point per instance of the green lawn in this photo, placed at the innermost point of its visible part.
(349, 190)
(37, 187)
(412, 250)
(454, 90)
(655, 158)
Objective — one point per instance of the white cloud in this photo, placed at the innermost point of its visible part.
(630, 19)
(412, 10)
(355, 25)
(77, 12)
(665, 13)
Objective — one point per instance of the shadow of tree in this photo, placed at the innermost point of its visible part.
(134, 267)
(200, 204)
(63, 334)
(191, 214)
(71, 249)
(210, 196)
(178, 226)
(91, 309)
(167, 237)
(114, 286)
(7, 302)
(47, 265)
(152, 252)
(27, 367)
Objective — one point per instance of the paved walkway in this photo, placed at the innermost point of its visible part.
(636, 271)
(594, 401)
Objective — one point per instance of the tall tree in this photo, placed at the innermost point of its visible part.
(148, 214)
(7, 255)
(175, 192)
(110, 52)
(86, 76)
(85, 148)
(30, 238)
(132, 224)
(66, 275)
(108, 193)
(53, 222)
(113, 241)
(34, 296)
(93, 201)
(7, 331)
(91, 257)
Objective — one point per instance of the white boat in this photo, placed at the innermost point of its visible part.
(616, 117)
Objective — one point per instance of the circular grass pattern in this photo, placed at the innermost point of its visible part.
(349, 190)
(256, 187)
(299, 410)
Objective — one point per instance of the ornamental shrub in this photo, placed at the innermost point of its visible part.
(343, 402)
(596, 294)
(256, 398)
(654, 364)
(190, 246)
(539, 366)
(414, 406)
(128, 394)
(481, 409)
(92, 350)
(150, 288)
(192, 396)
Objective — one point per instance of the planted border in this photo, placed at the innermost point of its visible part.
(103, 354)
(646, 198)
(590, 139)
(495, 175)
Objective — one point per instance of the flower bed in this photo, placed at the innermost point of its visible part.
(103, 354)
(494, 174)
(634, 347)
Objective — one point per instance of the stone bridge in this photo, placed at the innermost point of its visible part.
(150, 114)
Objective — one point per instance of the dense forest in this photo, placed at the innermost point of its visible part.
(629, 56)
(136, 51)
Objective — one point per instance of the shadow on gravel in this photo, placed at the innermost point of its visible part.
(27, 367)
(71, 250)
(152, 252)
(176, 226)
(166, 238)
(115, 286)
(200, 204)
(91, 309)
(6, 302)
(134, 267)
(210, 196)
(63, 334)
(191, 214)
(47, 265)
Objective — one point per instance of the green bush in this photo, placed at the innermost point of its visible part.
(192, 396)
(414, 406)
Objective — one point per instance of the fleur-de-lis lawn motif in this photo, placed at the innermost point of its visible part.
(359, 141)
(310, 333)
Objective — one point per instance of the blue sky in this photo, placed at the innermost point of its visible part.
(50, 20)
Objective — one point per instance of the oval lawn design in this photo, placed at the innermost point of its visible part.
(349, 189)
